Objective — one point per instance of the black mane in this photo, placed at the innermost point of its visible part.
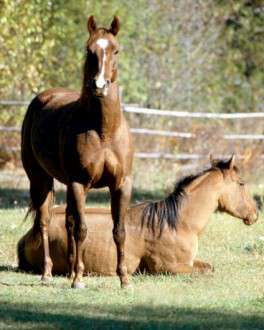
(157, 214)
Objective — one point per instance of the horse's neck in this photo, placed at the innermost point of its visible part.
(104, 113)
(201, 201)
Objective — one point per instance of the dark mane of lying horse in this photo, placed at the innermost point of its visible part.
(158, 213)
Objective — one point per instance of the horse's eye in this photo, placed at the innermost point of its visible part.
(241, 183)
(116, 52)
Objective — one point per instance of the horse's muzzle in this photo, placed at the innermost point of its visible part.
(251, 219)
(98, 91)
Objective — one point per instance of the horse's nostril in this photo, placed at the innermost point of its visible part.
(107, 82)
(256, 216)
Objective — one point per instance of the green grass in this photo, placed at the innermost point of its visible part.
(231, 298)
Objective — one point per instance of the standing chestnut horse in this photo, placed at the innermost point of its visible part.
(82, 140)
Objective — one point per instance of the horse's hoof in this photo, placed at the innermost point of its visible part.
(46, 278)
(209, 269)
(126, 285)
(78, 285)
(71, 276)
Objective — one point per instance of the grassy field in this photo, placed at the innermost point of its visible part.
(231, 298)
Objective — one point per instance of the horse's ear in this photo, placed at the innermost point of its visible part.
(211, 159)
(115, 26)
(231, 162)
(91, 24)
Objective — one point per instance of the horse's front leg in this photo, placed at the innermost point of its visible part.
(198, 267)
(120, 199)
(76, 207)
(70, 236)
(202, 267)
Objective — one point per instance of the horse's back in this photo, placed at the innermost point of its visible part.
(46, 103)
(45, 119)
(57, 98)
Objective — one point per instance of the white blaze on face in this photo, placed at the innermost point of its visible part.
(101, 82)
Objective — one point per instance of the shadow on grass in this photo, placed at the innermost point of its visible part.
(85, 316)
(9, 268)
(11, 198)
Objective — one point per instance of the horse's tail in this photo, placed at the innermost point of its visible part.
(26, 148)
(31, 212)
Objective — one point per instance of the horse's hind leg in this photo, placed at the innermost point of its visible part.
(76, 233)
(41, 191)
(119, 204)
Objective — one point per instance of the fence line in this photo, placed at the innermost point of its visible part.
(11, 102)
(168, 113)
(147, 131)
(164, 155)
(174, 134)
(185, 156)
(9, 129)
(200, 115)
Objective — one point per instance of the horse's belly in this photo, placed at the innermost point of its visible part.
(48, 159)
(100, 255)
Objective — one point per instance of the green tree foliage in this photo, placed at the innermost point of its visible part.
(201, 55)
(243, 47)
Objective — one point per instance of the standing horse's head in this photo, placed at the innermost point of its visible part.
(100, 69)
(234, 197)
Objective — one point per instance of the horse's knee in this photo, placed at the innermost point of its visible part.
(71, 258)
(122, 269)
(119, 235)
(69, 223)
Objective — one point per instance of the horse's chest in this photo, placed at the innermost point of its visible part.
(98, 159)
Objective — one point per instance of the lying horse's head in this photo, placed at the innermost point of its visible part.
(100, 68)
(234, 197)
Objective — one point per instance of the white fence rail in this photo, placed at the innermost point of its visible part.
(169, 113)
(147, 131)
(185, 156)
(162, 155)
(200, 115)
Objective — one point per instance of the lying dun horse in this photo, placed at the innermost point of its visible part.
(161, 236)
(83, 140)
